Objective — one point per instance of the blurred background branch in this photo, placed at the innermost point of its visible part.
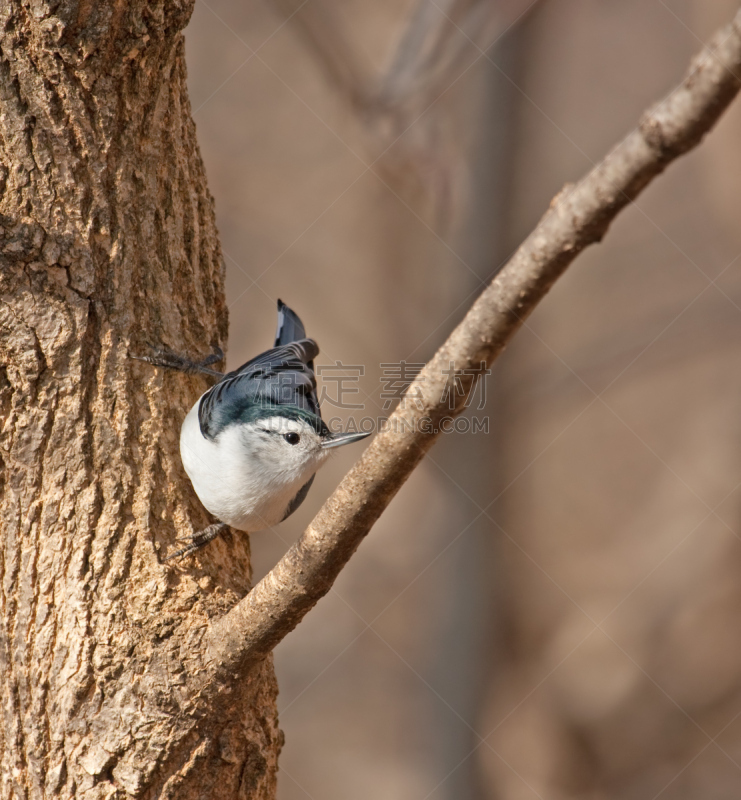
(435, 47)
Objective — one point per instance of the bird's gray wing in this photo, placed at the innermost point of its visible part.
(290, 328)
(280, 376)
(299, 498)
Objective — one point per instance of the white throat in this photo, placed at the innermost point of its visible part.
(249, 474)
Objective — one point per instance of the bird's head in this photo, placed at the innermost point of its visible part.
(290, 439)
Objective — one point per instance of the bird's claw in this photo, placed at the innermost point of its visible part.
(162, 357)
(198, 540)
(214, 358)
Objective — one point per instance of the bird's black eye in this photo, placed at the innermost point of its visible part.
(292, 438)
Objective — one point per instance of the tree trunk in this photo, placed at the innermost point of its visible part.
(108, 243)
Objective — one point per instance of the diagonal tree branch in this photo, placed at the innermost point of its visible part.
(579, 216)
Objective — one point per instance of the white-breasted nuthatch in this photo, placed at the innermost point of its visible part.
(253, 442)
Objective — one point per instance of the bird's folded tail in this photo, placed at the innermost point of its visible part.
(290, 327)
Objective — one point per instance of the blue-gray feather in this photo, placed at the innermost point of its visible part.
(290, 328)
(299, 498)
(280, 380)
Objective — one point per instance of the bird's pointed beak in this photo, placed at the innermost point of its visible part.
(340, 439)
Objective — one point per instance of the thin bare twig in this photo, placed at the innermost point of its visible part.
(579, 216)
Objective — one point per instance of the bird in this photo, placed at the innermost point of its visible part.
(253, 443)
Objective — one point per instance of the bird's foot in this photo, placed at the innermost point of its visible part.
(162, 357)
(198, 540)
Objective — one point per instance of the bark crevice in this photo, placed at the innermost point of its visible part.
(107, 242)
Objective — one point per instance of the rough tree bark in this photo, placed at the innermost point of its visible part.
(107, 242)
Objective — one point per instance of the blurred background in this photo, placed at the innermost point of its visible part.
(550, 608)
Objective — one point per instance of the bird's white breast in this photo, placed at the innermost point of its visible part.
(235, 480)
